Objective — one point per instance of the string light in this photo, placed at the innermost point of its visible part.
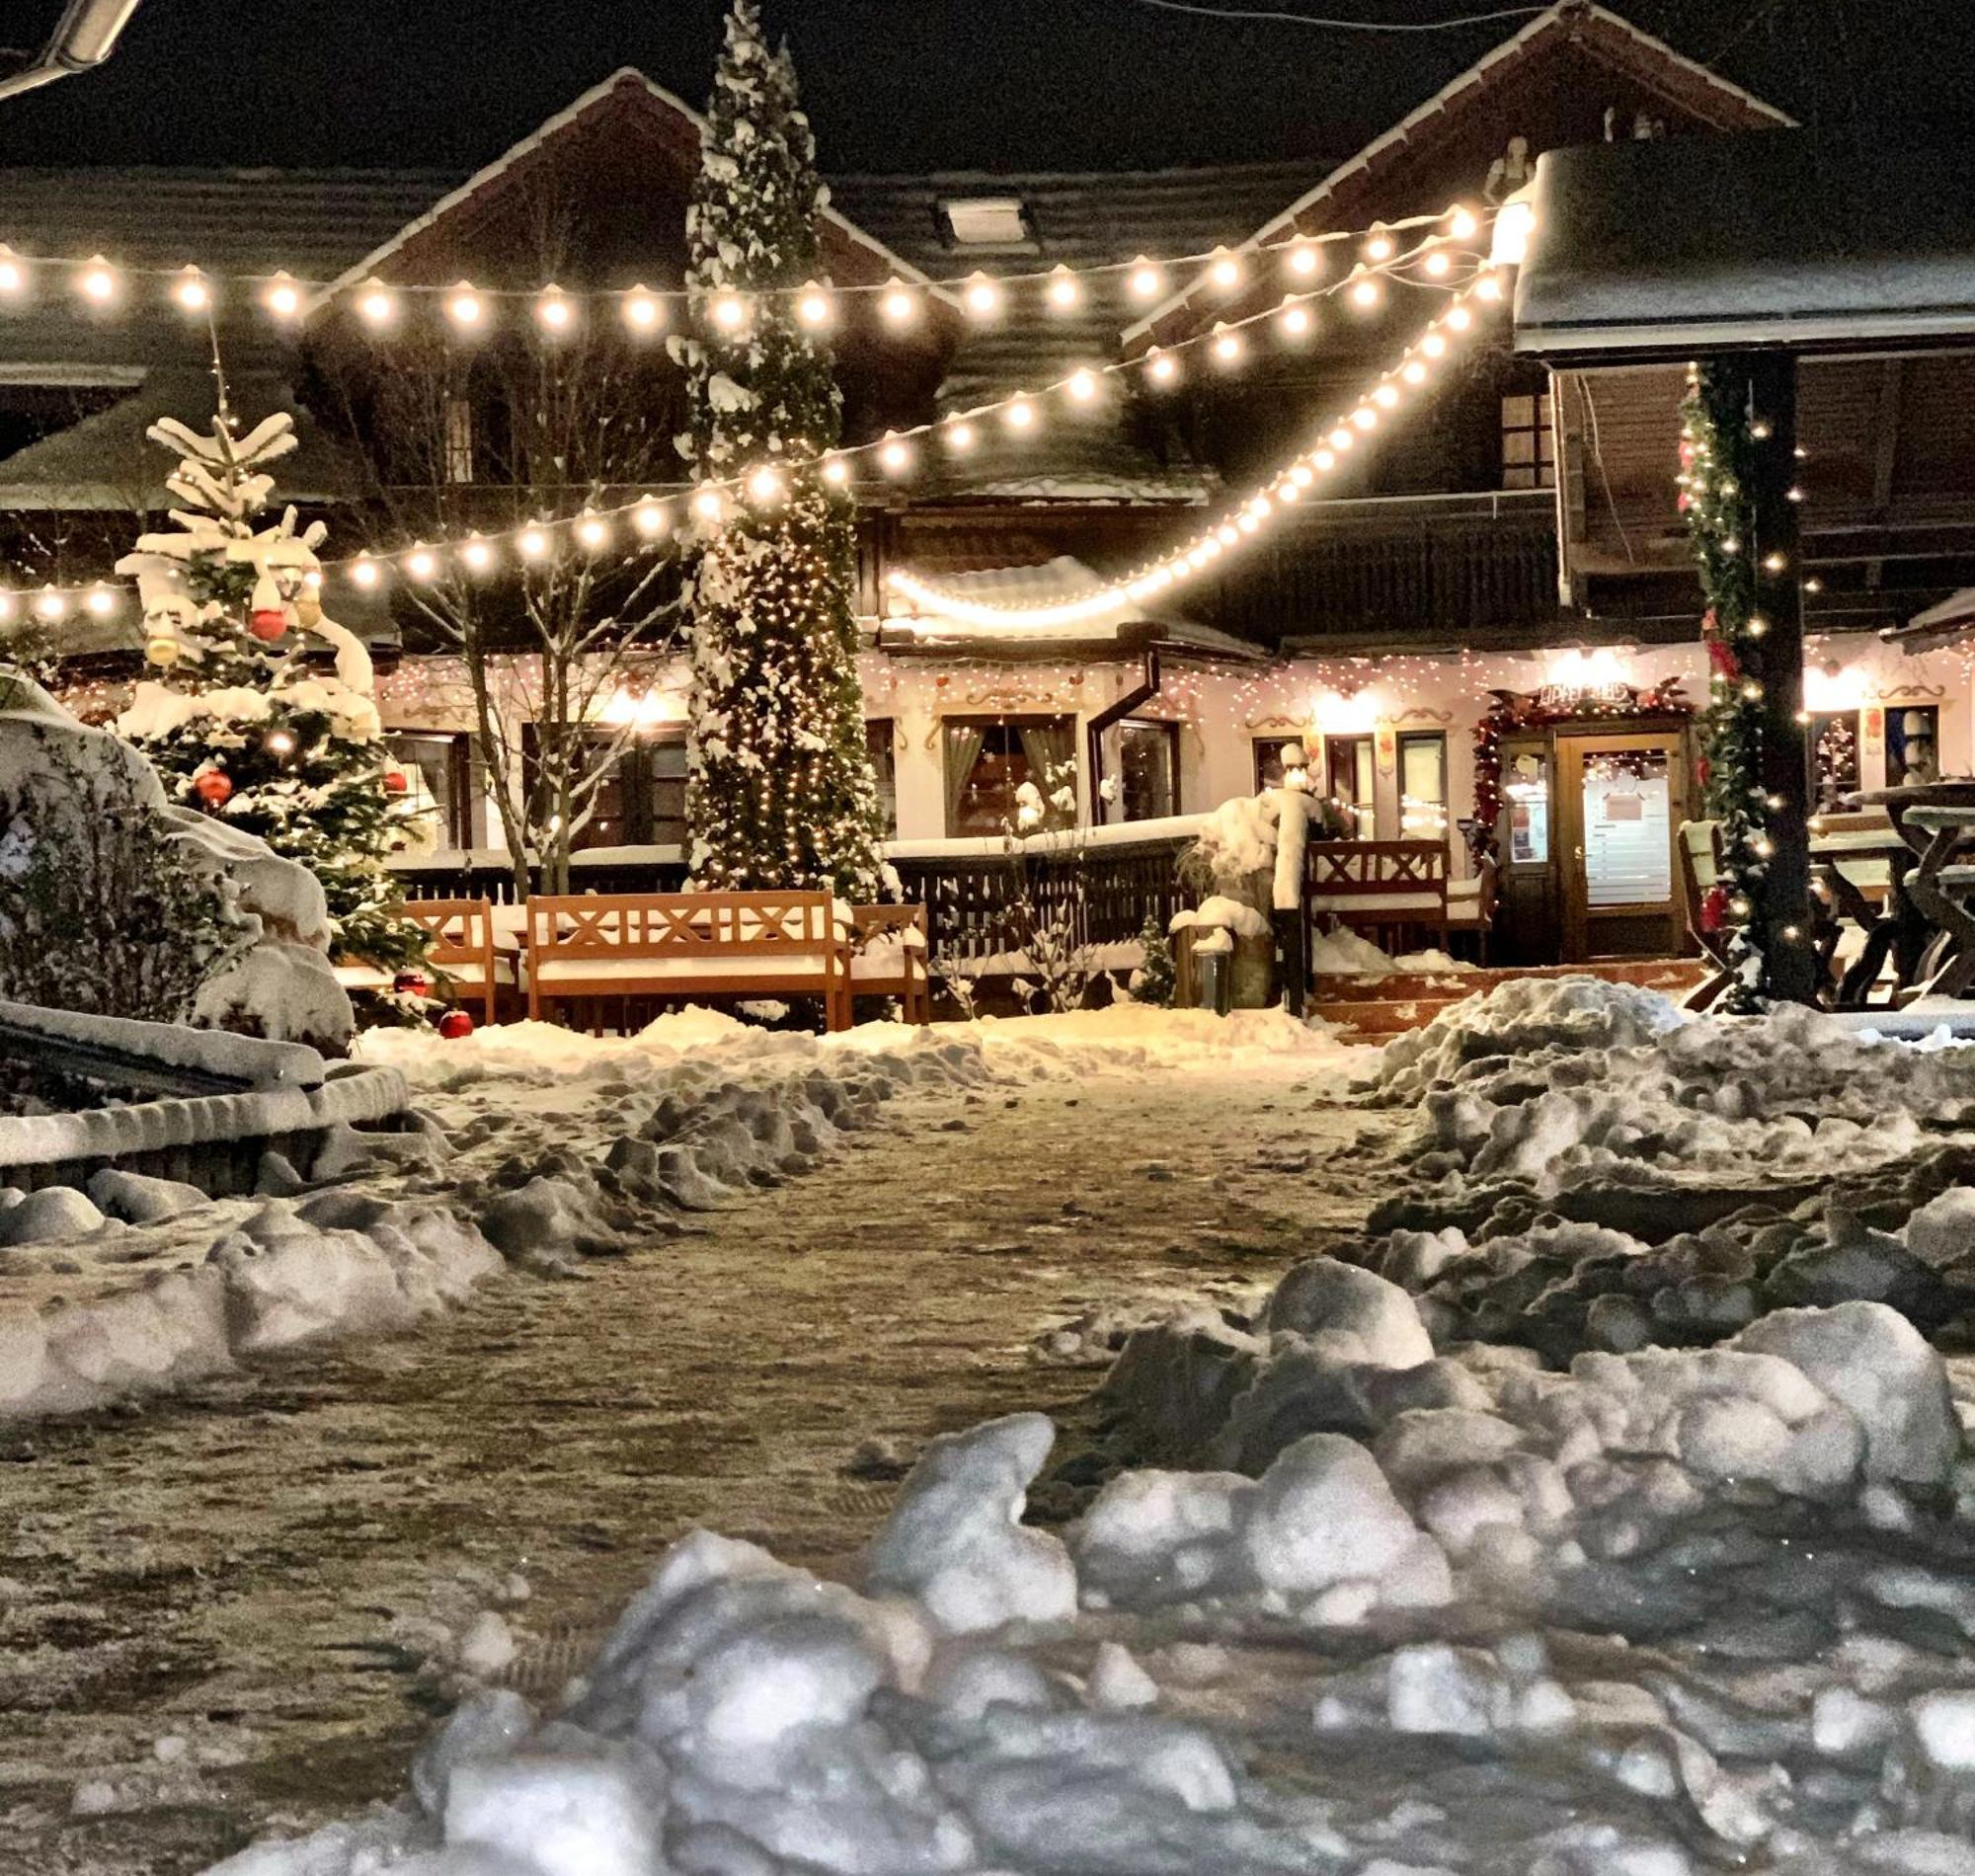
(98, 281)
(1082, 385)
(363, 571)
(900, 305)
(1305, 259)
(1365, 291)
(532, 542)
(1223, 268)
(1461, 224)
(728, 311)
(1146, 279)
(984, 295)
(594, 532)
(1020, 413)
(376, 305)
(554, 310)
(813, 305)
(477, 555)
(1294, 319)
(1161, 367)
(835, 471)
(709, 506)
(643, 311)
(283, 298)
(13, 275)
(102, 602)
(192, 292)
(1380, 246)
(960, 436)
(464, 306)
(422, 563)
(1065, 289)
(766, 486)
(1228, 344)
(649, 518)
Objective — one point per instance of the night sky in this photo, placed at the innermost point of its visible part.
(908, 84)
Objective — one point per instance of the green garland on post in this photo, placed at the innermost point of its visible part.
(1717, 438)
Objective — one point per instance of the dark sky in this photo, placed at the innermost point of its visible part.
(908, 84)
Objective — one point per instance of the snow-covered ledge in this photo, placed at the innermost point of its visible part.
(281, 1095)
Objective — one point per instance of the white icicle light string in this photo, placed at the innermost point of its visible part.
(100, 283)
(1283, 491)
(652, 515)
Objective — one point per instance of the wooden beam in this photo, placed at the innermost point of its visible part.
(1892, 385)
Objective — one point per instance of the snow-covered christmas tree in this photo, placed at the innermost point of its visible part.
(242, 724)
(779, 791)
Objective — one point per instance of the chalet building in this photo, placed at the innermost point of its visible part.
(1515, 532)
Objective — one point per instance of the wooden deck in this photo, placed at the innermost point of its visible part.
(1385, 1006)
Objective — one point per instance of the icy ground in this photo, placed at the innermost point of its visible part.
(237, 1605)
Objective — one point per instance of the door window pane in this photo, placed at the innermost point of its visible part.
(1147, 771)
(1423, 786)
(1348, 759)
(664, 763)
(1913, 744)
(1833, 740)
(1268, 753)
(885, 767)
(1627, 828)
(1526, 790)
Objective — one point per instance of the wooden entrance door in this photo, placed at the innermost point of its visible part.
(1620, 802)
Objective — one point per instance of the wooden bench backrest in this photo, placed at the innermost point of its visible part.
(869, 921)
(1700, 848)
(1366, 869)
(682, 924)
(461, 929)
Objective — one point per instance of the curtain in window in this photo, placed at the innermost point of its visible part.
(963, 751)
(1050, 750)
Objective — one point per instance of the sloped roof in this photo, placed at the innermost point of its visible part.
(1686, 82)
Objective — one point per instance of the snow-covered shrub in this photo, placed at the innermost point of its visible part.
(1153, 981)
(101, 906)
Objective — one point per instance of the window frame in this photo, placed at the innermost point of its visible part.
(1167, 732)
(1541, 465)
(633, 775)
(459, 752)
(1446, 806)
(1364, 813)
(881, 741)
(1014, 722)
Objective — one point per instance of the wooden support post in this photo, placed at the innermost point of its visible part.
(1790, 970)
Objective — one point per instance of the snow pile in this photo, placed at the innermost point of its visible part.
(1344, 953)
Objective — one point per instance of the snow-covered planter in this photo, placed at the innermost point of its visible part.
(1239, 932)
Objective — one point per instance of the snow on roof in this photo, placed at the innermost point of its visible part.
(1571, 13)
(1942, 623)
(625, 78)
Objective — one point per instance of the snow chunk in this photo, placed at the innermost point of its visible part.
(1350, 1315)
(1324, 1514)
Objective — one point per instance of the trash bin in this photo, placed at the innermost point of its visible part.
(1213, 968)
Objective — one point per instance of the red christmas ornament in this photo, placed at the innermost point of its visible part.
(395, 781)
(1715, 908)
(411, 983)
(455, 1025)
(1721, 655)
(1683, 501)
(268, 624)
(214, 788)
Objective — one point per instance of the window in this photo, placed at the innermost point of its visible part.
(1833, 739)
(878, 741)
(987, 222)
(1148, 769)
(460, 464)
(988, 761)
(1913, 744)
(1529, 446)
(641, 800)
(1422, 785)
(434, 808)
(1268, 754)
(1347, 760)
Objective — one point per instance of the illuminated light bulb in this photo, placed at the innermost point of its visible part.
(1211, 547)
(1813, 584)
(1381, 246)
(1758, 625)
(1760, 429)
(1065, 291)
(1248, 522)
(1731, 543)
(1773, 563)
(1020, 415)
(1791, 933)
(1228, 344)
(190, 289)
(422, 563)
(281, 741)
(376, 305)
(728, 311)
(1436, 262)
(1772, 802)
(1365, 292)
(98, 281)
(709, 506)
(1489, 287)
(532, 543)
(1145, 278)
(1305, 259)
(649, 518)
(554, 310)
(1223, 268)
(1365, 417)
(983, 295)
(1260, 506)
(1324, 461)
(1290, 491)
(1341, 439)
(1433, 345)
(1460, 318)
(1301, 476)
(464, 307)
(477, 556)
(1509, 245)
(1802, 716)
(6, 605)
(1293, 319)
(1385, 396)
(363, 571)
(1414, 372)
(960, 436)
(813, 305)
(1227, 534)
(643, 310)
(591, 532)
(900, 304)
(283, 298)
(13, 275)
(1751, 691)
(835, 471)
(766, 485)
(1761, 844)
(1461, 224)
(1793, 494)
(894, 454)
(102, 602)
(51, 605)
(1161, 367)
(1082, 385)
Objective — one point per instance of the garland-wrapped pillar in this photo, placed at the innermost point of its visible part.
(1738, 478)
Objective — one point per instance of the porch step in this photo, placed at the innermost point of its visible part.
(1935, 819)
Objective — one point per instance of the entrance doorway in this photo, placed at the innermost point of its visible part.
(1620, 802)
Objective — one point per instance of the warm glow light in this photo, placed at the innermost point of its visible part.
(894, 454)
(1324, 461)
(532, 543)
(1305, 258)
(1224, 269)
(191, 291)
(728, 311)
(363, 571)
(1509, 245)
(900, 304)
(643, 310)
(835, 471)
(6, 605)
(1380, 247)
(283, 298)
(1145, 280)
(464, 307)
(960, 436)
(710, 507)
(421, 562)
(1161, 367)
(281, 741)
(1433, 345)
(1385, 396)
(1294, 319)
(376, 305)
(554, 310)
(1460, 318)
(1299, 474)
(649, 518)
(983, 295)
(1461, 224)
(1365, 417)
(1082, 385)
(98, 281)
(1436, 262)
(1341, 439)
(766, 485)
(51, 605)
(1489, 287)
(591, 532)
(1065, 289)
(1227, 345)
(102, 602)
(1365, 291)
(813, 305)
(477, 555)
(1019, 415)
(1414, 372)
(13, 275)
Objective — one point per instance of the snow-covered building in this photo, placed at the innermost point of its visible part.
(1514, 533)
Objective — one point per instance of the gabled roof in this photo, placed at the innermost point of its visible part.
(1650, 61)
(850, 253)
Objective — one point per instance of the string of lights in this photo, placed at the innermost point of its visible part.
(100, 286)
(1439, 262)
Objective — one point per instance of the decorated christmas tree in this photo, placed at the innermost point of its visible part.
(779, 790)
(1836, 762)
(242, 723)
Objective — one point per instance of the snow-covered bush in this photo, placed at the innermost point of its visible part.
(102, 908)
(1152, 983)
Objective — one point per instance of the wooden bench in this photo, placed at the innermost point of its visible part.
(889, 957)
(1375, 887)
(462, 955)
(689, 945)
(1470, 907)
